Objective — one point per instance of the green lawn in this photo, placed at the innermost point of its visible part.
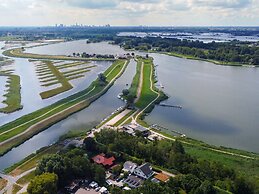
(135, 82)
(147, 95)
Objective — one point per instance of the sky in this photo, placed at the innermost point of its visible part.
(130, 12)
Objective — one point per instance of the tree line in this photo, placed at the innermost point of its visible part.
(234, 51)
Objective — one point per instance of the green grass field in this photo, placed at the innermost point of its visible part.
(13, 95)
(60, 79)
(147, 95)
(135, 82)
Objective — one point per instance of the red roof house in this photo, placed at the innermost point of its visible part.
(101, 159)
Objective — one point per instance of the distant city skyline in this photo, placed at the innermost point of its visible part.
(130, 12)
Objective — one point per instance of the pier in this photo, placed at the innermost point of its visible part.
(170, 106)
(160, 128)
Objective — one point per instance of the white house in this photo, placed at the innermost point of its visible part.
(144, 171)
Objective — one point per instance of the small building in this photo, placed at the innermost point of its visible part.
(129, 166)
(162, 177)
(144, 171)
(101, 159)
(135, 128)
(133, 181)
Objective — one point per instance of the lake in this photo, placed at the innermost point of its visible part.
(220, 103)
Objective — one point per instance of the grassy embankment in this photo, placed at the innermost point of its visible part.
(18, 131)
(13, 95)
(60, 79)
(150, 95)
(18, 52)
(146, 102)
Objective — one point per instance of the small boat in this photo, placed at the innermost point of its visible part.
(161, 86)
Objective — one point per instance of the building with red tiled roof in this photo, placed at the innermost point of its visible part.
(101, 159)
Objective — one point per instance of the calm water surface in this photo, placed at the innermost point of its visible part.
(220, 104)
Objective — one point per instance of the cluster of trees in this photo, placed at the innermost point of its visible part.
(171, 155)
(235, 51)
(45, 183)
(102, 80)
(58, 170)
(86, 55)
(194, 176)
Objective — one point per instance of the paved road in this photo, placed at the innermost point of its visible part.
(12, 180)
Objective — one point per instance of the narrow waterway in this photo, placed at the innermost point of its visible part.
(84, 119)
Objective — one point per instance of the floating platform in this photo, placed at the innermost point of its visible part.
(170, 106)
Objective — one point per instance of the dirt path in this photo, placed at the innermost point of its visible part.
(151, 88)
(117, 118)
(140, 83)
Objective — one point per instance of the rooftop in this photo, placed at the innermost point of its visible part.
(133, 181)
(101, 159)
(162, 177)
(146, 169)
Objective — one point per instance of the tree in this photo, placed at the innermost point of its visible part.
(116, 170)
(241, 186)
(130, 99)
(102, 79)
(90, 144)
(125, 92)
(206, 188)
(99, 174)
(43, 184)
(189, 182)
(178, 147)
(54, 164)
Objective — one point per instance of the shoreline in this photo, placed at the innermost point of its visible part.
(59, 115)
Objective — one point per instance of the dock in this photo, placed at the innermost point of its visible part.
(170, 106)
(160, 128)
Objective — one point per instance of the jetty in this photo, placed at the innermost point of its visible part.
(160, 128)
(170, 106)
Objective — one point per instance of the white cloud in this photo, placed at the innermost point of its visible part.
(130, 12)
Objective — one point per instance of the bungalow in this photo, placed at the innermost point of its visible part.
(144, 171)
(101, 159)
